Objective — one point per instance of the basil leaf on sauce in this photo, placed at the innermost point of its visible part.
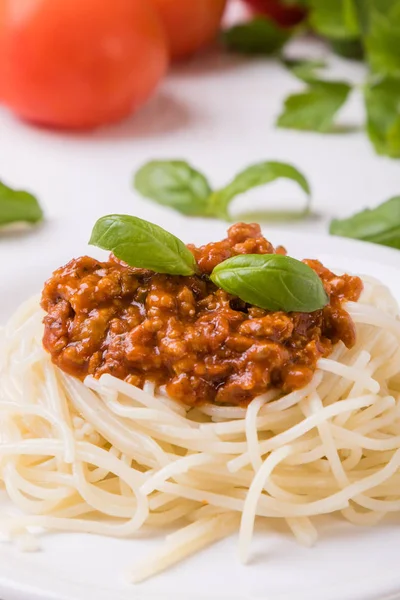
(255, 176)
(18, 207)
(258, 36)
(272, 281)
(380, 225)
(142, 244)
(174, 183)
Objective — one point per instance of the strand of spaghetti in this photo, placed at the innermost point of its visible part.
(147, 414)
(178, 467)
(271, 405)
(353, 459)
(300, 429)
(195, 537)
(97, 527)
(253, 497)
(292, 398)
(19, 499)
(348, 388)
(251, 431)
(86, 452)
(111, 427)
(365, 519)
(197, 445)
(285, 419)
(176, 513)
(371, 316)
(103, 502)
(392, 443)
(57, 399)
(328, 442)
(303, 530)
(379, 406)
(380, 423)
(134, 412)
(44, 413)
(38, 491)
(135, 393)
(351, 373)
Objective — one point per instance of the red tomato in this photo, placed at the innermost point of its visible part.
(79, 63)
(284, 14)
(190, 24)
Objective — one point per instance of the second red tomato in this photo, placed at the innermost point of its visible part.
(190, 24)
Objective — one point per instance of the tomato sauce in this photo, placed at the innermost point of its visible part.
(184, 333)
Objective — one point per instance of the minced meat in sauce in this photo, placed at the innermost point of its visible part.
(200, 342)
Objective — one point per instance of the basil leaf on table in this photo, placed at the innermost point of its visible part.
(174, 183)
(382, 102)
(315, 108)
(193, 196)
(18, 207)
(383, 41)
(352, 48)
(259, 36)
(335, 18)
(142, 244)
(271, 281)
(305, 70)
(380, 225)
(255, 176)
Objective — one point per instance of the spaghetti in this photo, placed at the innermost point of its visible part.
(103, 456)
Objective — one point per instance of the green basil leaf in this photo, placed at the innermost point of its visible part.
(18, 207)
(305, 69)
(353, 49)
(142, 244)
(271, 281)
(315, 108)
(383, 41)
(335, 18)
(390, 238)
(259, 36)
(382, 102)
(255, 176)
(363, 9)
(380, 225)
(176, 184)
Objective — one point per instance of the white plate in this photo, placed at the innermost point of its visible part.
(347, 563)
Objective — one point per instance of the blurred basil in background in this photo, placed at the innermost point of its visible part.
(364, 30)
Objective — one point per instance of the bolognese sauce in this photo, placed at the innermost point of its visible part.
(186, 334)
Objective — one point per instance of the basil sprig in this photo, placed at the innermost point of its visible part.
(178, 185)
(380, 225)
(260, 36)
(142, 244)
(271, 281)
(382, 102)
(18, 207)
(315, 108)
